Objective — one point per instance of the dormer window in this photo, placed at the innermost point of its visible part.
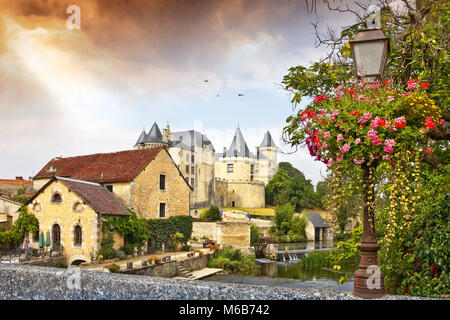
(56, 198)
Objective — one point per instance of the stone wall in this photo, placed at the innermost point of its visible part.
(246, 194)
(8, 207)
(204, 229)
(235, 234)
(169, 269)
(57, 262)
(20, 282)
(146, 195)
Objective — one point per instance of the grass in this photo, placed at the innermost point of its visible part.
(233, 260)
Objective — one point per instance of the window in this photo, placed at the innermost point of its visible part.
(162, 182)
(162, 210)
(56, 235)
(192, 170)
(187, 169)
(251, 168)
(192, 158)
(78, 236)
(230, 168)
(110, 187)
(192, 182)
(56, 198)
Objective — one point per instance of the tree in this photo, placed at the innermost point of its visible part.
(284, 214)
(213, 214)
(289, 185)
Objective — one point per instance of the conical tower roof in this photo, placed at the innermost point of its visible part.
(267, 141)
(141, 138)
(238, 147)
(154, 135)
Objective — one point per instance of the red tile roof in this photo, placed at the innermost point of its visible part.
(16, 182)
(121, 166)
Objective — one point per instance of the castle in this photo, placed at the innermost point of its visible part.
(234, 178)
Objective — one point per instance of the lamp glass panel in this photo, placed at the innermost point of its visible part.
(369, 56)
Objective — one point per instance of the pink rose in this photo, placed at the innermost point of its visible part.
(340, 137)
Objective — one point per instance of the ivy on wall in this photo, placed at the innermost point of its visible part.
(139, 230)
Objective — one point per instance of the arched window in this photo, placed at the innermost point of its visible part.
(56, 235)
(56, 198)
(78, 236)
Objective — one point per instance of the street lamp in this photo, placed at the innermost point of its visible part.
(369, 51)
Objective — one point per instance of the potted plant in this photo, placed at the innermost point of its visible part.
(114, 268)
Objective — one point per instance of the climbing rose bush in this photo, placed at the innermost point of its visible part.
(363, 122)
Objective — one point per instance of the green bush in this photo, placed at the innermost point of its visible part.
(127, 248)
(284, 214)
(232, 260)
(120, 254)
(254, 231)
(108, 253)
(212, 214)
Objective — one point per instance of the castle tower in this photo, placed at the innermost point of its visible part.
(152, 139)
(267, 159)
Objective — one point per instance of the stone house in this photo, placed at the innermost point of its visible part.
(145, 180)
(316, 228)
(72, 211)
(8, 212)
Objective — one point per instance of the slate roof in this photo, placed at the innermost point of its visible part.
(317, 220)
(267, 141)
(154, 135)
(121, 166)
(141, 138)
(190, 138)
(93, 194)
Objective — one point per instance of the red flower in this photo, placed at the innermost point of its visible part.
(425, 85)
(350, 91)
(429, 123)
(429, 150)
(405, 289)
(399, 122)
(385, 82)
(355, 113)
(323, 121)
(320, 98)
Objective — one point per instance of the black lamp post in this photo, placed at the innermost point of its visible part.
(369, 50)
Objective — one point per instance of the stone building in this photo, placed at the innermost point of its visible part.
(316, 229)
(72, 210)
(193, 153)
(147, 181)
(234, 178)
(8, 212)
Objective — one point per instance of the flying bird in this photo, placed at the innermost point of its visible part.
(205, 81)
(240, 94)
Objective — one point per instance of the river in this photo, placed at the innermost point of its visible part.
(290, 274)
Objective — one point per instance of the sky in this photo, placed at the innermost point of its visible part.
(68, 92)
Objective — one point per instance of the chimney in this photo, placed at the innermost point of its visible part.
(19, 178)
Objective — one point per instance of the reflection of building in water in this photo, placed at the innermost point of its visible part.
(268, 270)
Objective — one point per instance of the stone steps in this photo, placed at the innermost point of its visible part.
(181, 271)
